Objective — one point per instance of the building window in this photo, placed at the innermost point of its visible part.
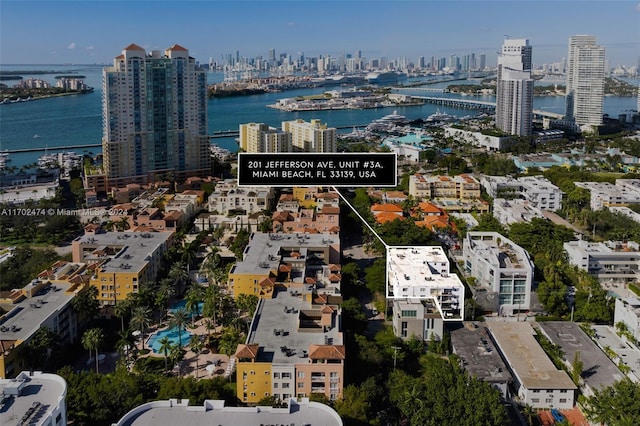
(563, 400)
(535, 400)
(276, 375)
(285, 385)
(300, 374)
(300, 385)
(286, 375)
(409, 314)
(548, 400)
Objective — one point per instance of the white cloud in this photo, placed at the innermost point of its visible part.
(90, 47)
(72, 45)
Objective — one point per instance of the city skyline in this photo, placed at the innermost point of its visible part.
(56, 32)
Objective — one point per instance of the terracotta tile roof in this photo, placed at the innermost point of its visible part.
(269, 282)
(6, 345)
(429, 208)
(330, 210)
(286, 197)
(334, 229)
(387, 217)
(310, 280)
(120, 57)
(311, 231)
(335, 278)
(327, 309)
(433, 222)
(47, 273)
(334, 268)
(178, 47)
(285, 268)
(247, 351)
(396, 194)
(282, 216)
(173, 215)
(133, 46)
(386, 208)
(326, 352)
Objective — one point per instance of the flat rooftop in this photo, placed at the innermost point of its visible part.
(526, 357)
(37, 390)
(422, 272)
(478, 353)
(24, 318)
(171, 413)
(131, 249)
(284, 313)
(266, 251)
(598, 371)
(498, 250)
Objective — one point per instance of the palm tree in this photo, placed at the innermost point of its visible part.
(140, 320)
(125, 342)
(211, 303)
(121, 310)
(196, 345)
(123, 223)
(178, 321)
(193, 305)
(91, 340)
(179, 274)
(165, 349)
(164, 293)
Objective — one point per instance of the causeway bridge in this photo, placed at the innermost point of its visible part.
(481, 105)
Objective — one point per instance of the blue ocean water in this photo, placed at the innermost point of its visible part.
(77, 119)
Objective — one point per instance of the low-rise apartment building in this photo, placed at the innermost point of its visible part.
(537, 381)
(610, 261)
(44, 302)
(627, 311)
(306, 262)
(33, 398)
(419, 318)
(516, 210)
(422, 273)
(228, 198)
(490, 142)
(294, 349)
(122, 261)
(213, 412)
(323, 221)
(502, 269)
(462, 187)
(537, 190)
(605, 194)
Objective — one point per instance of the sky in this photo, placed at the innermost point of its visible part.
(95, 31)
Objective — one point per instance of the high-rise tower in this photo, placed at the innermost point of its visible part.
(585, 81)
(154, 111)
(514, 97)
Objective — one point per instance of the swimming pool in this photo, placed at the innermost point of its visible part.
(172, 334)
(182, 304)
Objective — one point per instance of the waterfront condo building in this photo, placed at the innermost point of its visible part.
(585, 81)
(514, 97)
(259, 137)
(154, 110)
(311, 136)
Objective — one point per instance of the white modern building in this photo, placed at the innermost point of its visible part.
(229, 198)
(420, 318)
(213, 412)
(537, 190)
(491, 143)
(154, 111)
(627, 311)
(311, 136)
(605, 194)
(585, 81)
(502, 268)
(513, 211)
(514, 96)
(33, 398)
(610, 261)
(537, 381)
(259, 137)
(422, 273)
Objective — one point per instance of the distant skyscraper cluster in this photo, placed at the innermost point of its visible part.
(154, 117)
(514, 100)
(585, 81)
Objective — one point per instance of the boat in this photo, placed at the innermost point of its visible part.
(4, 159)
(441, 116)
(386, 77)
(36, 136)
